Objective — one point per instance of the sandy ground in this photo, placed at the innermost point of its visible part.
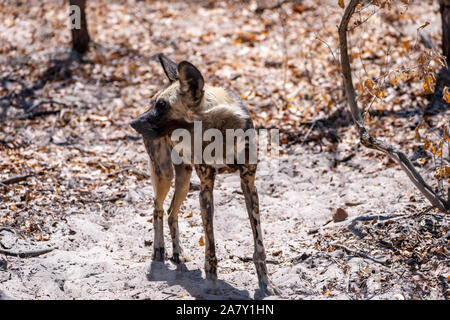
(104, 247)
(108, 255)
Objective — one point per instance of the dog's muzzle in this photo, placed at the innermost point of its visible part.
(142, 126)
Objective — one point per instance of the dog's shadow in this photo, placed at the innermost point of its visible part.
(193, 282)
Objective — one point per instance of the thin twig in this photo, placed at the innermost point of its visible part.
(16, 179)
(360, 254)
(110, 199)
(140, 173)
(26, 254)
(35, 114)
(331, 50)
(308, 133)
(119, 171)
(249, 259)
(7, 229)
(359, 23)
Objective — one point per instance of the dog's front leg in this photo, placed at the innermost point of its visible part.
(207, 176)
(161, 187)
(183, 174)
(247, 174)
(162, 175)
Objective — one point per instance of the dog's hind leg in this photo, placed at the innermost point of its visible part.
(247, 174)
(207, 176)
(162, 175)
(183, 174)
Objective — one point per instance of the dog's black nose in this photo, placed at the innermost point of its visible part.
(135, 124)
(142, 126)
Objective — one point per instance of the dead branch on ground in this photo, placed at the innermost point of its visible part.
(15, 179)
(360, 254)
(26, 254)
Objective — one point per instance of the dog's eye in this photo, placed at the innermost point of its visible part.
(161, 104)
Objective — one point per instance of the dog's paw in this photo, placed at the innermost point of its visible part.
(269, 289)
(214, 290)
(179, 258)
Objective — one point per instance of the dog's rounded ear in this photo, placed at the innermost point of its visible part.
(169, 66)
(191, 80)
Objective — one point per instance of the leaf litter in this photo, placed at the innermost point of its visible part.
(64, 126)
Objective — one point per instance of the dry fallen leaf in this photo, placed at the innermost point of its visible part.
(327, 293)
(340, 215)
(446, 95)
(424, 25)
(276, 253)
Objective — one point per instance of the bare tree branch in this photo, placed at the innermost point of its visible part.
(366, 139)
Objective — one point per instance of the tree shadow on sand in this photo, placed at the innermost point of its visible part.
(193, 282)
(59, 69)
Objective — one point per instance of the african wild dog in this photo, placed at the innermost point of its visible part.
(185, 100)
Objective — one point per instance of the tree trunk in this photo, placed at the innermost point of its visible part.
(445, 15)
(80, 34)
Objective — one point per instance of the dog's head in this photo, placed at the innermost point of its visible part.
(175, 105)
